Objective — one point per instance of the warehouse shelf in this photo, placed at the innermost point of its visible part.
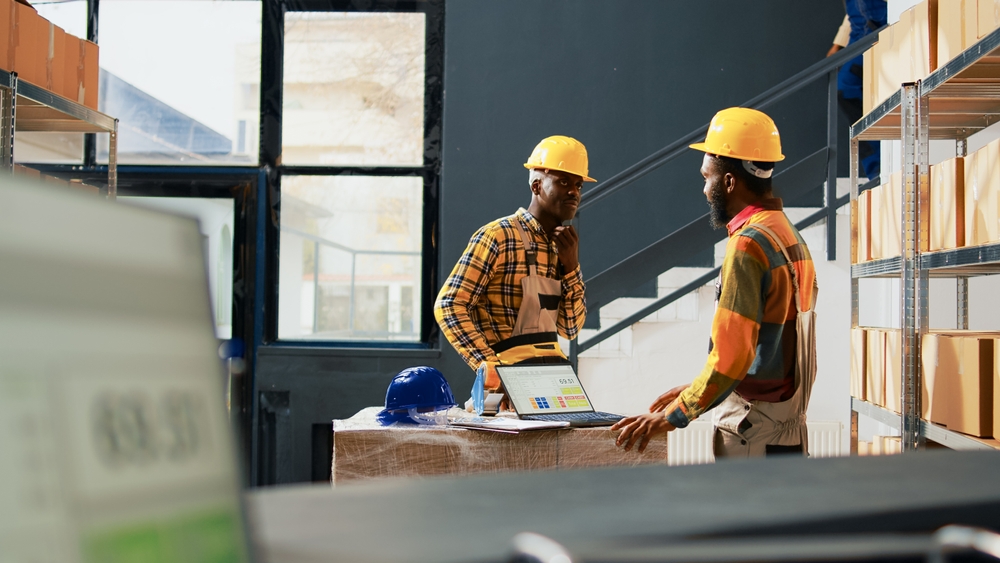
(963, 97)
(961, 262)
(26, 107)
(928, 430)
(957, 100)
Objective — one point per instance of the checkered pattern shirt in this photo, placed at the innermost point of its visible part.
(478, 304)
(753, 347)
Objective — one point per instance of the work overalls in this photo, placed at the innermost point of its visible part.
(746, 428)
(534, 339)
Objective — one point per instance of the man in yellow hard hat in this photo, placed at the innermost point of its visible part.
(762, 361)
(518, 284)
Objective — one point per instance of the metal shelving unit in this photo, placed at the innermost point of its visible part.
(956, 101)
(26, 107)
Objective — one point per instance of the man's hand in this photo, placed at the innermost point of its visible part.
(568, 245)
(640, 429)
(833, 50)
(664, 400)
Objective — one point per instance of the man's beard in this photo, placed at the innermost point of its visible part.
(717, 204)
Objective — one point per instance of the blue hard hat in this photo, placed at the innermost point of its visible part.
(421, 388)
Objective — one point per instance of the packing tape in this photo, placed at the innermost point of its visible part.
(81, 65)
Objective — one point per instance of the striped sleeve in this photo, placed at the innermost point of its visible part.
(735, 328)
(462, 291)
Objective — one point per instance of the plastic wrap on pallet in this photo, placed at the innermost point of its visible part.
(364, 450)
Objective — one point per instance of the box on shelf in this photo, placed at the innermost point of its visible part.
(947, 213)
(55, 65)
(887, 74)
(957, 28)
(996, 389)
(30, 37)
(82, 72)
(875, 366)
(875, 222)
(886, 237)
(988, 17)
(858, 359)
(893, 370)
(869, 90)
(7, 24)
(864, 226)
(982, 180)
(922, 39)
(958, 381)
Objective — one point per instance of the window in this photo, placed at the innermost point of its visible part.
(354, 171)
(350, 252)
(181, 75)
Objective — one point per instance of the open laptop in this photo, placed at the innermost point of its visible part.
(551, 392)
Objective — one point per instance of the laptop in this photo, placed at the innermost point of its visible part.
(551, 392)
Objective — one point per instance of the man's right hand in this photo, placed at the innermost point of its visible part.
(665, 400)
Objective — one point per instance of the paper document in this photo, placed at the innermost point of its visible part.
(508, 425)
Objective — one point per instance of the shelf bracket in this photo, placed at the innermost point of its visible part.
(8, 107)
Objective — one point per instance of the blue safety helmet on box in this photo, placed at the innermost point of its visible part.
(417, 395)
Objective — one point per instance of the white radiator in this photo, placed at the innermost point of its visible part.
(693, 445)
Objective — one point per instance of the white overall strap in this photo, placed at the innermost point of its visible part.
(532, 256)
(788, 259)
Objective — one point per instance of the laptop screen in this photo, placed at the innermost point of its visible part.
(544, 389)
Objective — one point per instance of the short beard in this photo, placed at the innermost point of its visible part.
(718, 217)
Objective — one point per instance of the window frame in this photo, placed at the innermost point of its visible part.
(272, 84)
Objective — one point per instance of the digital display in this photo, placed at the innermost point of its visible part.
(544, 389)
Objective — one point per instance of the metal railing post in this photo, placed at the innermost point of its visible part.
(315, 286)
(831, 167)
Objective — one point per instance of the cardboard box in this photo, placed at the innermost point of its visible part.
(923, 38)
(863, 226)
(30, 36)
(7, 37)
(859, 357)
(91, 74)
(887, 71)
(982, 179)
(875, 366)
(958, 381)
(988, 17)
(893, 370)
(82, 71)
(957, 28)
(55, 66)
(947, 213)
(869, 87)
(875, 223)
(890, 218)
(996, 389)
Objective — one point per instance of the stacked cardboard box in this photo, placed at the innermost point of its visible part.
(906, 51)
(859, 357)
(43, 54)
(947, 213)
(864, 226)
(957, 27)
(982, 179)
(885, 208)
(875, 366)
(988, 14)
(957, 388)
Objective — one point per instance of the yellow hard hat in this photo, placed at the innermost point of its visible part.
(560, 153)
(743, 133)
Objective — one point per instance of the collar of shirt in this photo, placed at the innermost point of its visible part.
(772, 204)
(529, 220)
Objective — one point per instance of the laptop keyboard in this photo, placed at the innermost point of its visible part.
(572, 416)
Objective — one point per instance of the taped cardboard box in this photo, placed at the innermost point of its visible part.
(890, 218)
(887, 76)
(7, 37)
(957, 28)
(875, 366)
(923, 38)
(982, 177)
(947, 213)
(893, 370)
(859, 357)
(957, 390)
(869, 87)
(31, 44)
(82, 71)
(875, 223)
(55, 66)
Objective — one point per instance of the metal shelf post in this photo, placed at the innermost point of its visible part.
(8, 106)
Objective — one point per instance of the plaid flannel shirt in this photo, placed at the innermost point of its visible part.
(753, 345)
(478, 304)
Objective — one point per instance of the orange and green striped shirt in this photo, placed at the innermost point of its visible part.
(752, 351)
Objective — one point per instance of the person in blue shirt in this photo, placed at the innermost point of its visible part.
(863, 17)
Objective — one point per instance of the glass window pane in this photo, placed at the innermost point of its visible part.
(181, 76)
(350, 258)
(217, 222)
(353, 91)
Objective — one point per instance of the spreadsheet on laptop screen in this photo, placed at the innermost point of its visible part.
(544, 389)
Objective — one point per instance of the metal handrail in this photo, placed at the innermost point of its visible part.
(770, 96)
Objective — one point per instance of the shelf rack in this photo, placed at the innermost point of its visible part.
(956, 101)
(26, 107)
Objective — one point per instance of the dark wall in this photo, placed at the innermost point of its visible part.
(626, 77)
